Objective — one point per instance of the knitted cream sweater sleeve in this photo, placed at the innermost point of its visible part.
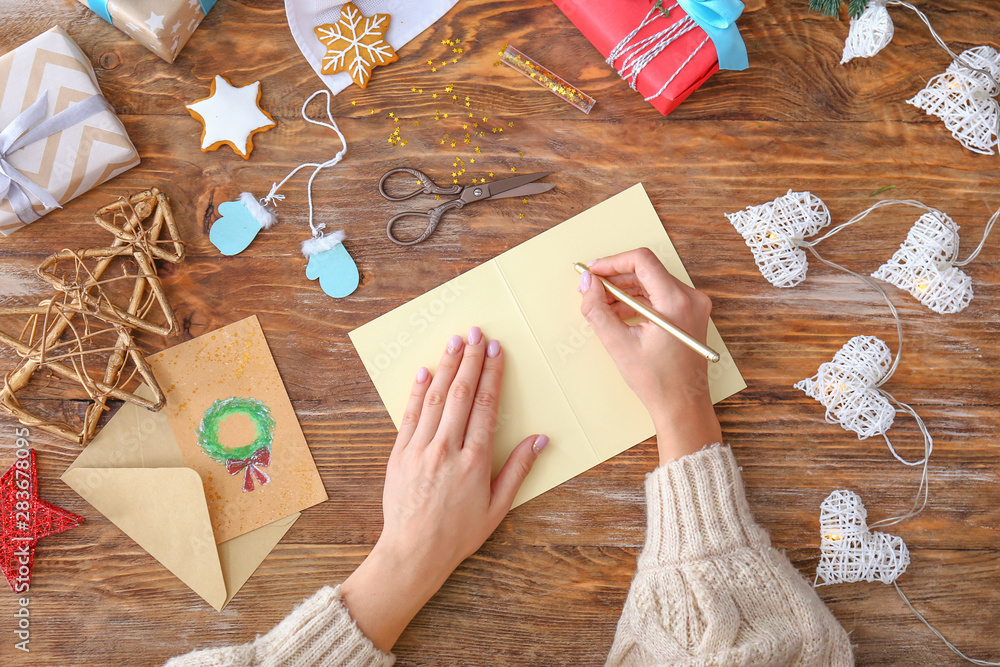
(318, 633)
(709, 589)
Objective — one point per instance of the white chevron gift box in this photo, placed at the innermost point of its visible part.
(59, 137)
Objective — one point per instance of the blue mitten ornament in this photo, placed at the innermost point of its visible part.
(330, 262)
(240, 223)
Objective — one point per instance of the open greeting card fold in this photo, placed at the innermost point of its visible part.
(558, 380)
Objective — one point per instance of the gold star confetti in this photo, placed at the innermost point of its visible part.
(404, 142)
(444, 63)
(475, 125)
(513, 168)
(491, 174)
(416, 122)
(354, 103)
(430, 62)
(455, 181)
(485, 119)
(520, 153)
(372, 112)
(510, 124)
(477, 149)
(524, 201)
(520, 215)
(466, 141)
(413, 90)
(437, 196)
(435, 95)
(453, 144)
(454, 97)
(472, 161)
(434, 69)
(420, 90)
(468, 105)
(445, 115)
(437, 117)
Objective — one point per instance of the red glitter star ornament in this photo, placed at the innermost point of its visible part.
(25, 519)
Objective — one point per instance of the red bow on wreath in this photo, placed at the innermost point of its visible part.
(262, 457)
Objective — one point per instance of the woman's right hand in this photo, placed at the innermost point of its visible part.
(669, 378)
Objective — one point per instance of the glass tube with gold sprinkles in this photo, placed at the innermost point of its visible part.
(544, 77)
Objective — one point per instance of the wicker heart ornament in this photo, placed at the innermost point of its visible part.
(847, 387)
(965, 100)
(771, 231)
(849, 551)
(869, 33)
(923, 265)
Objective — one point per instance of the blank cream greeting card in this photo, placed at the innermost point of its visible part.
(559, 380)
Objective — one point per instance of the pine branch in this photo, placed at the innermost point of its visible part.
(832, 7)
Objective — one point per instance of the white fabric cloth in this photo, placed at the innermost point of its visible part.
(409, 19)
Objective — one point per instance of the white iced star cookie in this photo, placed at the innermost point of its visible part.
(231, 116)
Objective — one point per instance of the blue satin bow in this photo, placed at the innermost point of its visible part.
(718, 19)
(28, 127)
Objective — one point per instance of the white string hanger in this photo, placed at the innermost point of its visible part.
(242, 220)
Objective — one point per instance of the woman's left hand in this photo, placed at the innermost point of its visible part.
(440, 502)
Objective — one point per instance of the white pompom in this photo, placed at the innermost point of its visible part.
(869, 33)
(849, 551)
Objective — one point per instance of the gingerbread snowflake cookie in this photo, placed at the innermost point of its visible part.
(356, 44)
(231, 116)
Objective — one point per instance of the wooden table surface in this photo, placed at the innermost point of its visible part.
(548, 587)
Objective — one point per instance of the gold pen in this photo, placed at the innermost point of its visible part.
(653, 316)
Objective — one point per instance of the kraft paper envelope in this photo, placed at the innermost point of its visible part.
(558, 380)
(134, 475)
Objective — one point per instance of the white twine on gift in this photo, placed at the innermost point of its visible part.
(273, 196)
(635, 56)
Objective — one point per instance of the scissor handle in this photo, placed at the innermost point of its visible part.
(433, 218)
(427, 186)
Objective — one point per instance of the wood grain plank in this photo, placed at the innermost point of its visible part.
(548, 587)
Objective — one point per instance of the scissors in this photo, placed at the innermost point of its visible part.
(517, 186)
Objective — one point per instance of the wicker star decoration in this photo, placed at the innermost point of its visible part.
(24, 519)
(84, 332)
(356, 44)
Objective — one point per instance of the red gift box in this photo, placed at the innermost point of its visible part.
(686, 63)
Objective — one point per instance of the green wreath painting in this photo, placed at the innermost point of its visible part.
(248, 459)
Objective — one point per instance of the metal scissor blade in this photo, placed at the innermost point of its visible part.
(525, 190)
(495, 188)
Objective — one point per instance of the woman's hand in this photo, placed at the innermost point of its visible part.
(440, 502)
(669, 378)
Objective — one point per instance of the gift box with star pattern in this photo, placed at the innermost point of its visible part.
(162, 26)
